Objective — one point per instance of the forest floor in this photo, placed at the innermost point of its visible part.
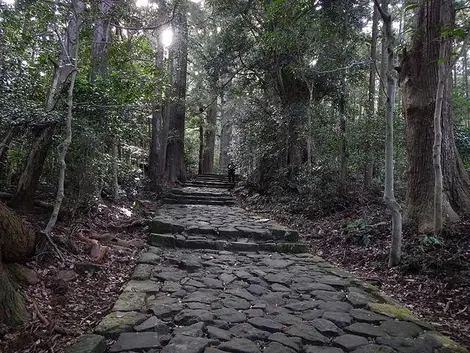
(77, 285)
(433, 280)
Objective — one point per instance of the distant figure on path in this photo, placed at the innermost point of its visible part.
(231, 172)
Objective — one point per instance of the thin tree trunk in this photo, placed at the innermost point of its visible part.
(383, 72)
(77, 9)
(389, 195)
(115, 164)
(465, 74)
(342, 131)
(5, 143)
(369, 163)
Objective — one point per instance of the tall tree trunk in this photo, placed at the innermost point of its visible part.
(369, 162)
(342, 131)
(157, 123)
(209, 135)
(465, 74)
(383, 72)
(201, 148)
(101, 39)
(17, 242)
(175, 148)
(389, 194)
(419, 74)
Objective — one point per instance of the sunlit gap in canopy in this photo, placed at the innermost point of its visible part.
(8, 2)
(167, 37)
(138, 3)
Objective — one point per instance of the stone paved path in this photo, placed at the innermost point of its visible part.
(190, 294)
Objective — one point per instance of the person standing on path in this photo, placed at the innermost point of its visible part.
(231, 172)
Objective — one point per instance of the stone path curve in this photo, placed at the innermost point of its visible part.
(218, 280)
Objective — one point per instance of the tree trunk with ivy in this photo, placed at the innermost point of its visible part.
(419, 77)
(17, 242)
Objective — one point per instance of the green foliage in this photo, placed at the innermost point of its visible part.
(358, 230)
(430, 240)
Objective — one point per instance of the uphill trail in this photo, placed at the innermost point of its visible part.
(217, 279)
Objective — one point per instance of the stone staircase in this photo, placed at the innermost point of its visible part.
(205, 189)
(202, 215)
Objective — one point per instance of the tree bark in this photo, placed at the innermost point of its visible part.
(101, 39)
(419, 74)
(29, 178)
(209, 136)
(17, 242)
(157, 124)
(175, 148)
(437, 146)
(201, 148)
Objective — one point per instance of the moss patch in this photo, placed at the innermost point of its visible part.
(398, 312)
(448, 346)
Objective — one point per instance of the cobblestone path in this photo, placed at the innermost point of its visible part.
(217, 279)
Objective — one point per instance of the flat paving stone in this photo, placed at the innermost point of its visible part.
(316, 349)
(88, 344)
(186, 344)
(230, 315)
(266, 324)
(275, 347)
(129, 341)
(339, 319)
(153, 324)
(294, 343)
(350, 342)
(240, 345)
(218, 333)
(363, 329)
(246, 330)
(307, 333)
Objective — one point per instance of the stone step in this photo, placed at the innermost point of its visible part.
(209, 185)
(180, 241)
(200, 193)
(199, 198)
(194, 195)
(188, 201)
(164, 225)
